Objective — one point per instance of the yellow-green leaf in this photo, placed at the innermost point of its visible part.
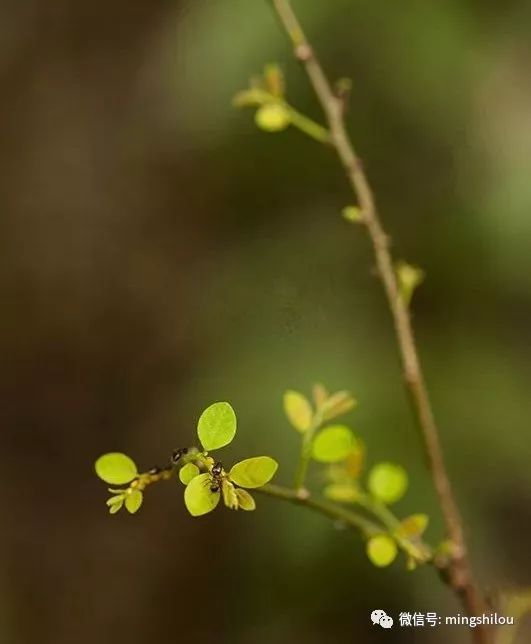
(198, 497)
(409, 278)
(338, 404)
(352, 213)
(342, 492)
(413, 527)
(251, 97)
(113, 509)
(188, 472)
(332, 444)
(133, 501)
(298, 410)
(388, 482)
(274, 80)
(115, 499)
(115, 468)
(381, 550)
(355, 459)
(320, 395)
(272, 117)
(411, 564)
(245, 500)
(217, 426)
(253, 472)
(230, 498)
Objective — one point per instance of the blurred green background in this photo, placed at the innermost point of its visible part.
(159, 253)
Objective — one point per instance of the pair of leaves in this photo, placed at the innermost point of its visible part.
(116, 468)
(267, 94)
(249, 473)
(302, 416)
(387, 483)
(382, 548)
(132, 499)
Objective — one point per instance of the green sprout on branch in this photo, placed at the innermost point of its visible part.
(205, 479)
(331, 445)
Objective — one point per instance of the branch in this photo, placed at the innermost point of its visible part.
(460, 574)
(330, 510)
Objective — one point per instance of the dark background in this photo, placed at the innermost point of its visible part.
(158, 253)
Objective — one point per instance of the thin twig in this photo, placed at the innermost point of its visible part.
(459, 570)
(330, 510)
(306, 453)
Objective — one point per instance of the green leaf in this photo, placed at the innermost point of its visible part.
(409, 278)
(197, 496)
(115, 468)
(320, 395)
(253, 472)
(188, 472)
(298, 410)
(342, 492)
(338, 404)
(355, 460)
(115, 499)
(133, 501)
(381, 550)
(230, 498)
(352, 214)
(332, 444)
(274, 80)
(245, 500)
(116, 507)
(388, 482)
(217, 426)
(251, 97)
(413, 527)
(272, 117)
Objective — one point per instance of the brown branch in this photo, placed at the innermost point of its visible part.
(459, 571)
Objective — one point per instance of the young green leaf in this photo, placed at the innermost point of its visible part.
(413, 527)
(341, 492)
(409, 278)
(230, 498)
(272, 117)
(381, 550)
(115, 468)
(320, 395)
(217, 426)
(115, 499)
(198, 497)
(298, 410)
(133, 501)
(188, 472)
(274, 80)
(338, 404)
(332, 444)
(245, 500)
(387, 482)
(352, 214)
(253, 472)
(355, 459)
(113, 509)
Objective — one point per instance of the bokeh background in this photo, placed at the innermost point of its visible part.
(159, 253)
